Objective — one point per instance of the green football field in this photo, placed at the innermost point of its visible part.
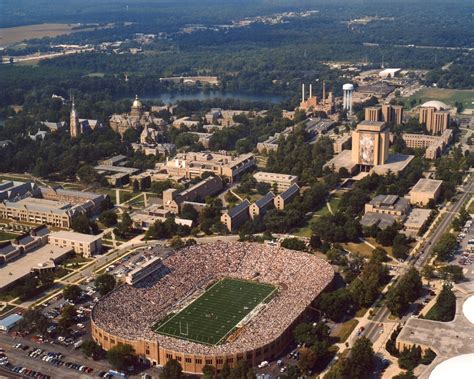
(213, 316)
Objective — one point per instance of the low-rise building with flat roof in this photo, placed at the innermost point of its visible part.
(424, 191)
(44, 258)
(9, 322)
(388, 204)
(434, 145)
(193, 165)
(236, 216)
(283, 199)
(415, 220)
(84, 244)
(282, 181)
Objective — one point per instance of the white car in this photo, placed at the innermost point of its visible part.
(263, 364)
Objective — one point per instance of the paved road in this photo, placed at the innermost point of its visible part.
(372, 330)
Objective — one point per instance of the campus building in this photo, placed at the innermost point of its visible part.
(370, 143)
(173, 199)
(283, 199)
(262, 205)
(281, 181)
(434, 145)
(435, 117)
(83, 244)
(236, 216)
(390, 114)
(424, 191)
(192, 165)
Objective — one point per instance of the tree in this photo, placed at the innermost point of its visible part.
(105, 283)
(225, 372)
(404, 292)
(72, 293)
(307, 359)
(410, 358)
(445, 247)
(108, 218)
(262, 188)
(122, 356)
(336, 305)
(34, 320)
(405, 375)
(172, 370)
(188, 212)
(67, 319)
(209, 372)
(453, 273)
(80, 224)
(90, 348)
(445, 306)
(176, 242)
(361, 359)
(293, 244)
(125, 225)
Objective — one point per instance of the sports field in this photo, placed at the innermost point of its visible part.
(213, 316)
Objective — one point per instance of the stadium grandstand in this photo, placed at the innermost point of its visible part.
(213, 304)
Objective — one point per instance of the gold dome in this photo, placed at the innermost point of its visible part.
(136, 103)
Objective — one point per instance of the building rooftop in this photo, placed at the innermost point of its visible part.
(390, 202)
(74, 236)
(239, 208)
(21, 267)
(290, 192)
(381, 220)
(7, 322)
(268, 198)
(269, 175)
(417, 217)
(427, 185)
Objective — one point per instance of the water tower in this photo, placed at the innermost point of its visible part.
(347, 90)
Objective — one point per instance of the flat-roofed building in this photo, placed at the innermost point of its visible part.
(390, 114)
(282, 181)
(388, 204)
(114, 161)
(236, 216)
(262, 205)
(40, 211)
(341, 142)
(90, 201)
(370, 143)
(271, 143)
(283, 199)
(415, 220)
(192, 165)
(424, 191)
(84, 244)
(43, 259)
(434, 145)
(435, 119)
(373, 113)
(173, 200)
(116, 175)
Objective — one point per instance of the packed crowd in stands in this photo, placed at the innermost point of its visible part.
(130, 311)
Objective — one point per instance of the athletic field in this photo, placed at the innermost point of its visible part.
(213, 316)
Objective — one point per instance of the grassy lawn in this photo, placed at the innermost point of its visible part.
(344, 330)
(213, 316)
(448, 96)
(5, 236)
(76, 259)
(360, 248)
(305, 231)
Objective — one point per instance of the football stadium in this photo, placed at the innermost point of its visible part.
(213, 303)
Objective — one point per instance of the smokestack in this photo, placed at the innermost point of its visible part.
(324, 91)
(310, 91)
(302, 93)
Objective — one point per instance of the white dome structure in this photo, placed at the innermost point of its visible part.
(468, 309)
(460, 367)
(439, 105)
